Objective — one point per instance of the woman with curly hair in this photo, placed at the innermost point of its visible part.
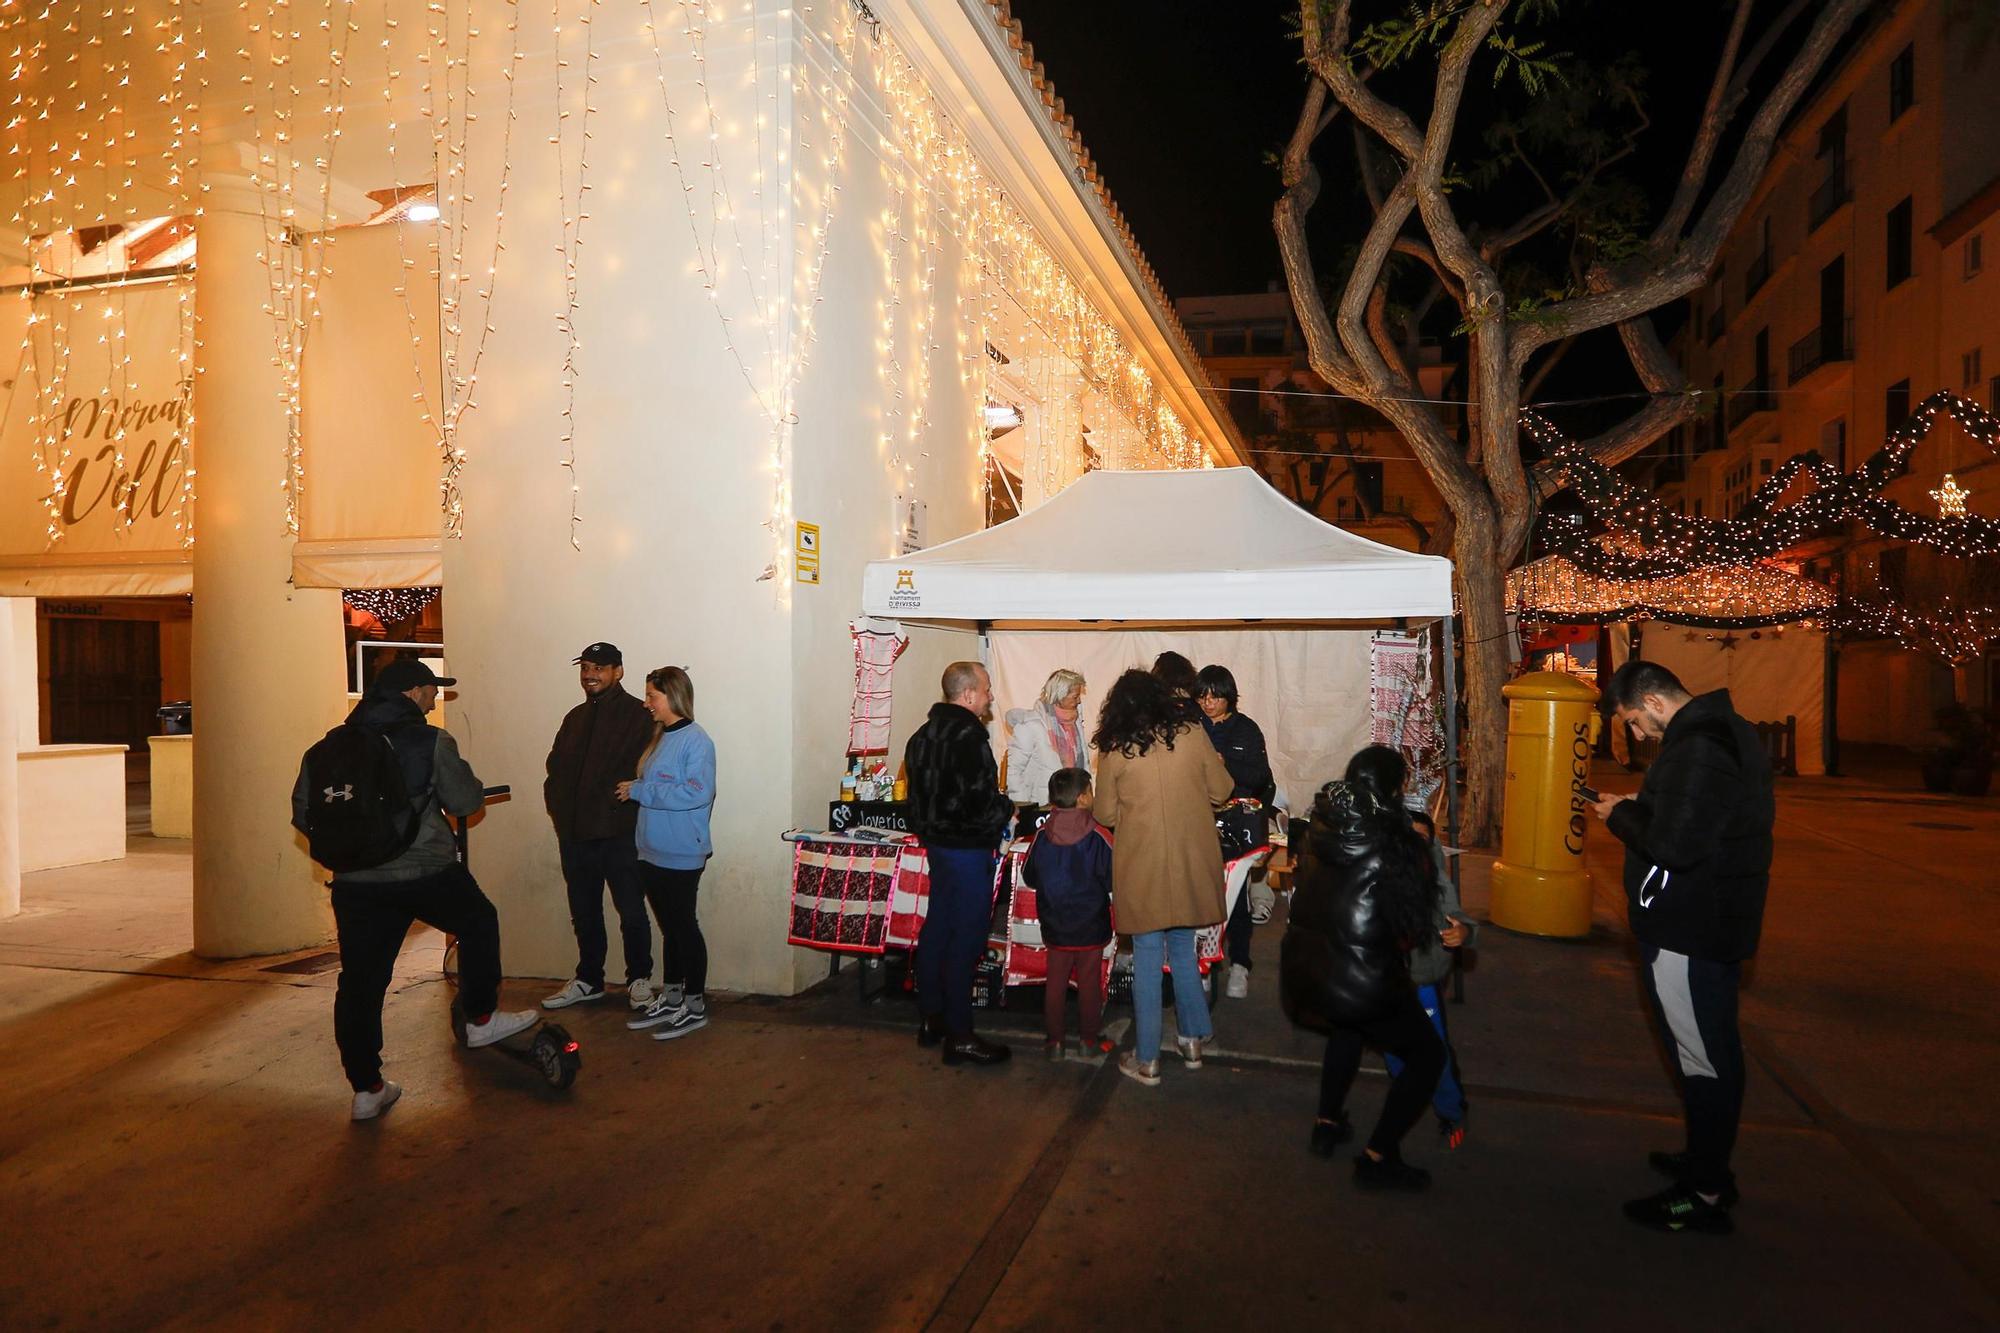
(1366, 896)
(1158, 783)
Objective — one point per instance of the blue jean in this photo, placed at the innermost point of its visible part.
(1449, 1099)
(1150, 951)
(956, 924)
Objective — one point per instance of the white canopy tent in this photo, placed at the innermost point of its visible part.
(1106, 572)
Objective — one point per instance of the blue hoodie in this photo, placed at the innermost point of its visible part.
(675, 789)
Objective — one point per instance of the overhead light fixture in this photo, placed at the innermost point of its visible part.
(1002, 416)
(423, 213)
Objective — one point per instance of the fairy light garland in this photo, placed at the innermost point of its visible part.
(1666, 542)
(1717, 596)
(390, 605)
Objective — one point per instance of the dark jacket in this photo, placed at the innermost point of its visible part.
(1698, 836)
(440, 781)
(1240, 742)
(955, 796)
(596, 748)
(1069, 868)
(1341, 962)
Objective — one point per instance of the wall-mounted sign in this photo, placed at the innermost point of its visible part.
(805, 552)
(911, 522)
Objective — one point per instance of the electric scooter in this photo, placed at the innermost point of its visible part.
(546, 1047)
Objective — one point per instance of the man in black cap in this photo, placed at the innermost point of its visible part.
(596, 748)
(373, 907)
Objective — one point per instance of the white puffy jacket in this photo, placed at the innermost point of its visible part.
(1032, 757)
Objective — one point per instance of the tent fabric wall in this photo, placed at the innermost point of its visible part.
(370, 515)
(1769, 677)
(105, 550)
(1307, 689)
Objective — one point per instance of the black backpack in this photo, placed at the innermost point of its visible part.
(359, 811)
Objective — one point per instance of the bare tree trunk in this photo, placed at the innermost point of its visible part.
(1482, 580)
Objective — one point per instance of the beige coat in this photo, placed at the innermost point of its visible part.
(1166, 866)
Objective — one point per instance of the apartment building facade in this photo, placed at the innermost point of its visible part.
(1856, 283)
(1335, 457)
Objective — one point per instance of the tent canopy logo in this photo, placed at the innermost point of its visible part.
(905, 596)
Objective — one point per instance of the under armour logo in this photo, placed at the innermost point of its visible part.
(345, 793)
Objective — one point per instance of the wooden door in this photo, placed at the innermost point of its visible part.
(104, 681)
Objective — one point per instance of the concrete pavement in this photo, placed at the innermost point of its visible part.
(174, 1149)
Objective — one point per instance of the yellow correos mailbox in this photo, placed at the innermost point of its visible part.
(1539, 883)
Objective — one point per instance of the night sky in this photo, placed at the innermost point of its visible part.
(1181, 102)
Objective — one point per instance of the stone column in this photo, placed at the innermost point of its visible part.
(268, 676)
(10, 810)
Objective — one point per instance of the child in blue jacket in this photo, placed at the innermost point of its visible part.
(1069, 868)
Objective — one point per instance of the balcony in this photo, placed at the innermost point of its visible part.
(1836, 190)
(1753, 408)
(1819, 349)
(1758, 274)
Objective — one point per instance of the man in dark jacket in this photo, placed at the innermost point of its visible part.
(373, 908)
(596, 748)
(959, 811)
(1697, 863)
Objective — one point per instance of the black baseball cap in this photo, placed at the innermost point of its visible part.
(407, 673)
(600, 654)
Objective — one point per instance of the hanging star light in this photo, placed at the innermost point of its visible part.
(1951, 498)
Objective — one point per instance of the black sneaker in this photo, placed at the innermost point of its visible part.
(1390, 1173)
(1678, 1208)
(1675, 1167)
(1328, 1135)
(975, 1050)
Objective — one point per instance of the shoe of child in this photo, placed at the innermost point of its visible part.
(499, 1026)
(1238, 985)
(372, 1102)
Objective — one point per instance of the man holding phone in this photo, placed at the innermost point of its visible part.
(1697, 864)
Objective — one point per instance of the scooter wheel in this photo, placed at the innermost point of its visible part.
(555, 1054)
(458, 1021)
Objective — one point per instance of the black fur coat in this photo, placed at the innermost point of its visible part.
(955, 796)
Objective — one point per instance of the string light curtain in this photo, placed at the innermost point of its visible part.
(101, 142)
(1664, 542)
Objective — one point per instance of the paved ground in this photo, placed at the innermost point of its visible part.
(174, 1149)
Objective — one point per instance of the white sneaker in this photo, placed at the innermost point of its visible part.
(576, 992)
(1238, 984)
(368, 1105)
(640, 993)
(499, 1026)
(664, 1009)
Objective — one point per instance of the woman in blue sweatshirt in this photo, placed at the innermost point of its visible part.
(674, 791)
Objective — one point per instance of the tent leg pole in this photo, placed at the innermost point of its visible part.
(1450, 669)
(1451, 741)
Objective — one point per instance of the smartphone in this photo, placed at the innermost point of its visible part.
(1588, 793)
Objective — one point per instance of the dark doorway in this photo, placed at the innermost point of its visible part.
(104, 681)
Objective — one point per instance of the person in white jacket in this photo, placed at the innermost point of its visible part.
(1045, 738)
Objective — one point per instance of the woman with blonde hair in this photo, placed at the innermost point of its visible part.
(674, 790)
(1046, 738)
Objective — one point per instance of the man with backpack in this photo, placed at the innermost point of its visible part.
(1697, 864)
(371, 799)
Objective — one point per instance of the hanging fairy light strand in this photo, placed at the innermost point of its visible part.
(574, 215)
